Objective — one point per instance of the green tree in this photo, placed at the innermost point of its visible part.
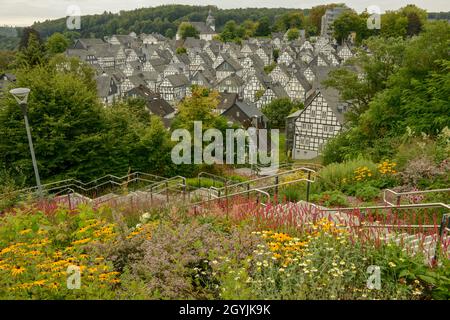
(293, 34)
(170, 33)
(368, 74)
(187, 30)
(411, 94)
(290, 20)
(347, 22)
(277, 111)
(25, 38)
(393, 24)
(315, 16)
(263, 28)
(229, 32)
(66, 122)
(416, 16)
(276, 54)
(200, 106)
(57, 43)
(7, 59)
(181, 50)
(32, 54)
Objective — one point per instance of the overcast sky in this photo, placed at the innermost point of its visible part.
(25, 12)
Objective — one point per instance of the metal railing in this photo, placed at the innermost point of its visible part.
(260, 190)
(61, 186)
(398, 195)
(246, 184)
(211, 176)
(444, 226)
(284, 165)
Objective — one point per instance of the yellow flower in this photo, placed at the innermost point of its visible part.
(25, 231)
(82, 241)
(17, 270)
(39, 283)
(53, 285)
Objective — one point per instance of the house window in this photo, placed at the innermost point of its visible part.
(237, 114)
(313, 114)
(324, 114)
(310, 126)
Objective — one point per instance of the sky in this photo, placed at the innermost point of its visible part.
(25, 12)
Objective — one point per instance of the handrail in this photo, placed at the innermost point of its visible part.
(403, 206)
(269, 177)
(203, 173)
(292, 164)
(264, 193)
(159, 183)
(398, 195)
(82, 185)
(260, 189)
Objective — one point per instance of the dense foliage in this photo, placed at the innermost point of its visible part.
(278, 109)
(175, 254)
(404, 89)
(73, 135)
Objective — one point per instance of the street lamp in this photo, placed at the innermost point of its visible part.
(21, 96)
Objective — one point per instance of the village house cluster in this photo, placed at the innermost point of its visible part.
(153, 67)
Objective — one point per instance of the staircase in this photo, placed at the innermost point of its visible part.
(146, 190)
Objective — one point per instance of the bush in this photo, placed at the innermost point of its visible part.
(176, 259)
(334, 176)
(423, 172)
(367, 193)
(329, 264)
(291, 193)
(36, 250)
(331, 199)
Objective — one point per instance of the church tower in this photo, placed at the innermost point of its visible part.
(210, 21)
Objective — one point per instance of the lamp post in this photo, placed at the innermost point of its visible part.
(21, 96)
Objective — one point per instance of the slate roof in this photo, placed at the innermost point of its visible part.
(234, 64)
(226, 100)
(279, 91)
(178, 80)
(235, 80)
(249, 109)
(154, 102)
(103, 85)
(202, 28)
(303, 81)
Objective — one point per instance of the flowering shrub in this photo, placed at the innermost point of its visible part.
(175, 254)
(36, 250)
(421, 171)
(387, 167)
(362, 173)
(325, 264)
